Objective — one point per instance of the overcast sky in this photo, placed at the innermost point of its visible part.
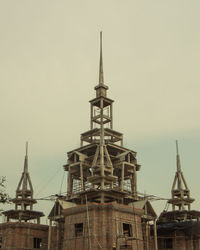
(49, 54)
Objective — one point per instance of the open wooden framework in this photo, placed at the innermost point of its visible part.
(102, 168)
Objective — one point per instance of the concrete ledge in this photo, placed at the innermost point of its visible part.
(23, 225)
(97, 206)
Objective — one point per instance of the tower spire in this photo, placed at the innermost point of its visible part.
(178, 162)
(24, 200)
(26, 159)
(25, 184)
(26, 148)
(180, 191)
(101, 88)
(101, 75)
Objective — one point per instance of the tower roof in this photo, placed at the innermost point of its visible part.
(101, 75)
(25, 187)
(24, 198)
(180, 191)
(101, 87)
(178, 162)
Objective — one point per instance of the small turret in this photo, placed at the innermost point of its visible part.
(180, 191)
(24, 192)
(24, 200)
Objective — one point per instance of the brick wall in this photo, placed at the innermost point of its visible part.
(56, 236)
(18, 236)
(180, 241)
(105, 229)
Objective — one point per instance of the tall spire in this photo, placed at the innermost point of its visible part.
(26, 159)
(101, 88)
(25, 179)
(25, 184)
(178, 162)
(26, 148)
(101, 75)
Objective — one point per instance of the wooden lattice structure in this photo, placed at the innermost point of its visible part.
(102, 168)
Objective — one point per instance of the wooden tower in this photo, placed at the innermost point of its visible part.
(24, 200)
(102, 168)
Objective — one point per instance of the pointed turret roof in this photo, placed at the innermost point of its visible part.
(180, 191)
(25, 187)
(24, 198)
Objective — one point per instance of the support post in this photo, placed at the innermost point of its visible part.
(81, 173)
(91, 116)
(111, 116)
(49, 235)
(69, 184)
(88, 222)
(155, 235)
(122, 178)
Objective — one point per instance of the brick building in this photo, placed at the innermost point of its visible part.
(23, 235)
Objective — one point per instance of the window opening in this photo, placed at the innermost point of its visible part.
(127, 229)
(37, 243)
(78, 229)
(168, 243)
(1, 241)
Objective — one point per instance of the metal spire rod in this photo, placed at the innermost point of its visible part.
(26, 148)
(177, 147)
(101, 75)
(26, 159)
(178, 158)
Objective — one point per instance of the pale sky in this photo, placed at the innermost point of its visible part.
(49, 55)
